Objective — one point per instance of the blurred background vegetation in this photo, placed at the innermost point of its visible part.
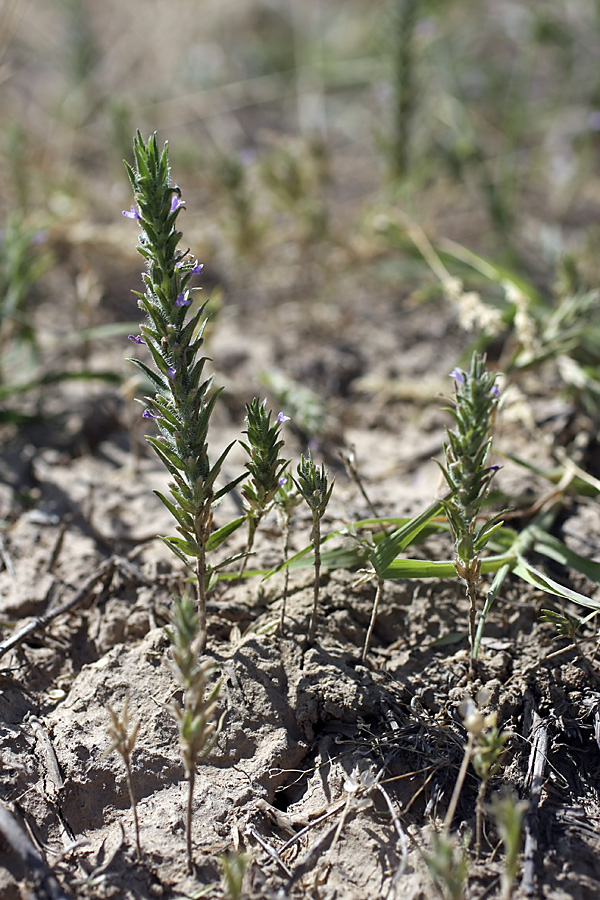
(425, 148)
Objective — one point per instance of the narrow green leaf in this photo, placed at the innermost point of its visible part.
(154, 378)
(179, 515)
(176, 551)
(383, 555)
(536, 578)
(217, 537)
(424, 568)
(554, 549)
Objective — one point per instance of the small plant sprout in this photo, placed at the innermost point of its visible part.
(567, 627)
(286, 500)
(123, 741)
(313, 485)
(468, 475)
(184, 400)
(265, 466)
(196, 713)
(508, 814)
(487, 753)
(233, 866)
(448, 865)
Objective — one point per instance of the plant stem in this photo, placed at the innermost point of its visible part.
(378, 593)
(134, 808)
(188, 836)
(201, 597)
(316, 540)
(471, 584)
(253, 523)
(479, 816)
(459, 783)
(286, 576)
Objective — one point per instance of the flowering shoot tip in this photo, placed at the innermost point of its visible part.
(182, 299)
(176, 203)
(148, 415)
(458, 376)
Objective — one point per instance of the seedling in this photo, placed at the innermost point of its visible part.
(508, 813)
(488, 753)
(448, 865)
(468, 476)
(567, 627)
(123, 741)
(196, 713)
(265, 466)
(233, 866)
(313, 485)
(485, 749)
(183, 401)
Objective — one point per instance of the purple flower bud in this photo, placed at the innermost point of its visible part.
(176, 203)
(458, 375)
(281, 418)
(283, 480)
(148, 415)
(181, 300)
(132, 214)
(136, 339)
(495, 392)
(197, 268)
(172, 372)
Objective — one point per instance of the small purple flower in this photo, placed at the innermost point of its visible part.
(283, 480)
(495, 392)
(176, 203)
(197, 268)
(136, 338)
(172, 372)
(132, 214)
(281, 418)
(148, 415)
(181, 300)
(458, 375)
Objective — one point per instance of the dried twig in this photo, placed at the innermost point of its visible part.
(103, 572)
(269, 849)
(534, 780)
(46, 885)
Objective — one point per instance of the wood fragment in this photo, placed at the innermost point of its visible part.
(269, 849)
(308, 860)
(533, 782)
(46, 886)
(103, 572)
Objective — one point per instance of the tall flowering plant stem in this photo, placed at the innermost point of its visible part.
(184, 398)
(312, 484)
(264, 466)
(468, 475)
